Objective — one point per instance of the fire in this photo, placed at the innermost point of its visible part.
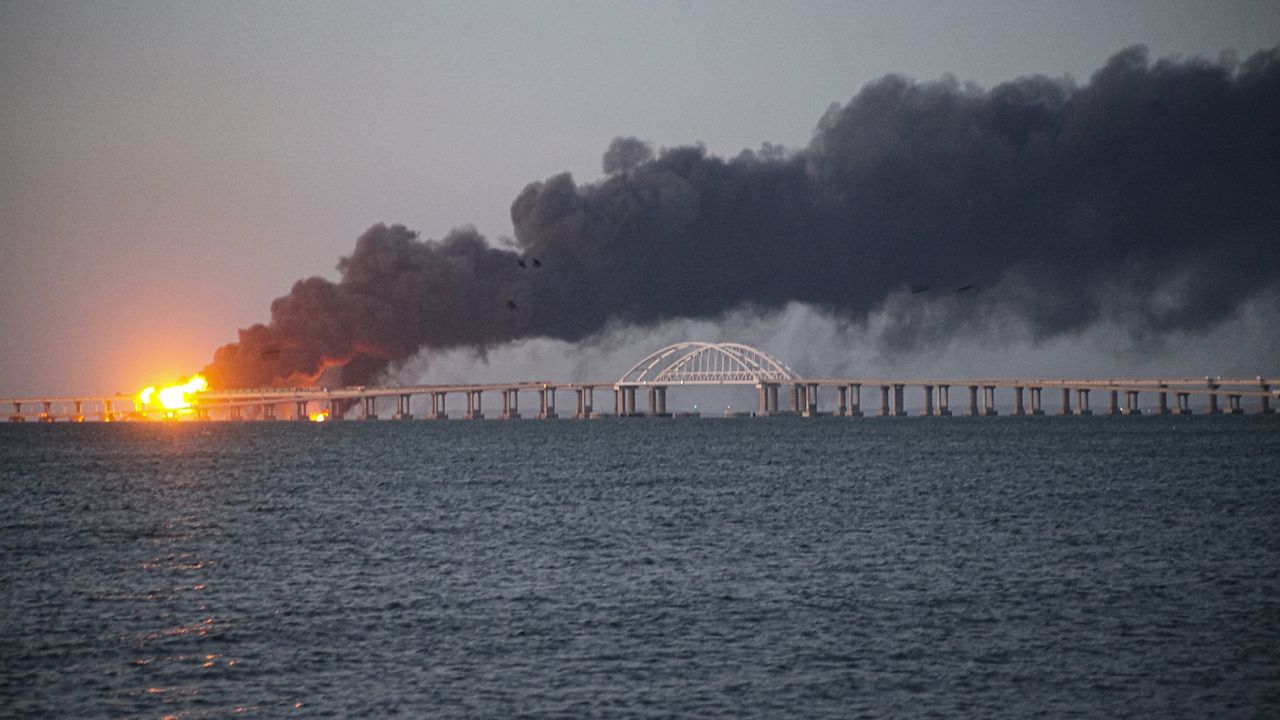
(172, 397)
(320, 416)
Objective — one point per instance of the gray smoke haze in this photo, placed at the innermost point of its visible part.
(1148, 199)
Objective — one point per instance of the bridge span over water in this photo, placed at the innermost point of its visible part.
(689, 364)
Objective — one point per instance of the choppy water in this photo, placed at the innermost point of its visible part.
(782, 567)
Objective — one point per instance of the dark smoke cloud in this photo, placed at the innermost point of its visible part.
(1149, 197)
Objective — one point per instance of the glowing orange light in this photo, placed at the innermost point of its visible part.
(320, 416)
(172, 397)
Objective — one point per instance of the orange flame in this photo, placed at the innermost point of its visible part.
(320, 416)
(171, 398)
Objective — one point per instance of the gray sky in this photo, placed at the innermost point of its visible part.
(170, 168)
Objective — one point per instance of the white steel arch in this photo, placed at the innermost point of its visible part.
(703, 363)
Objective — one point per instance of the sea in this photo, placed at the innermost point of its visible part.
(1057, 567)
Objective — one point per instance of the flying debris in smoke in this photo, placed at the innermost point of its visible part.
(1146, 197)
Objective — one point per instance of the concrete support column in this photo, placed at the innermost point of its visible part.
(660, 394)
(1213, 401)
(1131, 403)
(629, 402)
(109, 411)
(1066, 402)
(843, 407)
(17, 413)
(989, 401)
(773, 398)
(47, 414)
(370, 408)
(335, 410)
(884, 401)
(1163, 401)
(236, 414)
(928, 400)
(899, 400)
(77, 413)
(1264, 402)
(550, 413)
(402, 408)
(474, 410)
(973, 401)
(1018, 408)
(1233, 405)
(300, 410)
(811, 400)
(795, 399)
(1082, 400)
(1184, 403)
(580, 395)
(1113, 403)
(944, 400)
(268, 411)
(591, 400)
(855, 400)
(438, 409)
(762, 408)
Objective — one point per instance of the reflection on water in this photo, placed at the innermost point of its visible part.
(723, 568)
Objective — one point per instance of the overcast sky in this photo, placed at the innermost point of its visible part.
(167, 169)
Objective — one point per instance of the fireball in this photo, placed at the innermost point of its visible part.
(172, 398)
(320, 416)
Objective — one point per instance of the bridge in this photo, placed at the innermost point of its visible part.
(680, 365)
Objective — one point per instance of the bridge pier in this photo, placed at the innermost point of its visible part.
(1131, 403)
(474, 411)
(109, 411)
(973, 401)
(843, 408)
(1264, 402)
(1082, 400)
(1066, 402)
(928, 401)
(944, 401)
(1018, 408)
(511, 404)
(300, 411)
(1184, 403)
(1113, 402)
(989, 401)
(1233, 404)
(1162, 407)
(402, 408)
(46, 414)
(335, 410)
(268, 411)
(1213, 401)
(1037, 401)
(855, 400)
(235, 413)
(658, 401)
(77, 414)
(368, 408)
(811, 400)
(884, 401)
(899, 400)
(17, 413)
(585, 397)
(438, 409)
(547, 402)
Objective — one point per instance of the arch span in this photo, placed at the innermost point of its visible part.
(704, 363)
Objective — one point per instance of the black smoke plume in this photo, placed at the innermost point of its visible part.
(1149, 197)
